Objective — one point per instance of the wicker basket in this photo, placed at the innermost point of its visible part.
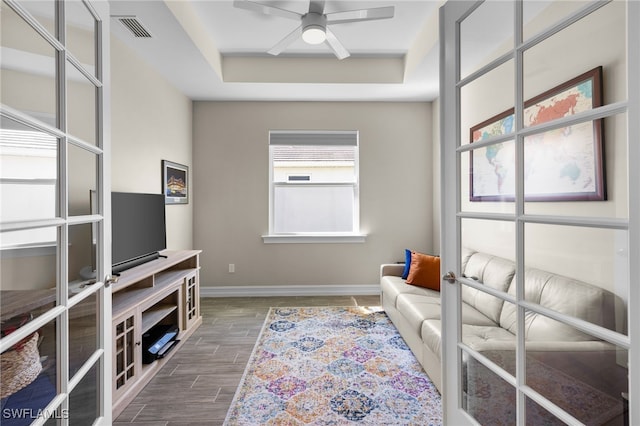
(20, 366)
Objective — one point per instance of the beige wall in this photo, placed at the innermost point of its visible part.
(231, 186)
(151, 122)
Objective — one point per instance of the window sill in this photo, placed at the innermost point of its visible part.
(313, 238)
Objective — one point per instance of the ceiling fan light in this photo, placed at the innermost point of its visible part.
(314, 34)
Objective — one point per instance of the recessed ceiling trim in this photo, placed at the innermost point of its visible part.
(313, 70)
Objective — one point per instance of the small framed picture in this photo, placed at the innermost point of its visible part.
(175, 183)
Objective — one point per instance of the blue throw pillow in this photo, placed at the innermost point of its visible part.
(407, 263)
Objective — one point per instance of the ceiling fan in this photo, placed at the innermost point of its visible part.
(314, 24)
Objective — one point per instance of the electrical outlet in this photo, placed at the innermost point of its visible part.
(232, 268)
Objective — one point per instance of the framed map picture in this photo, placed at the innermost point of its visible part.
(564, 164)
(175, 183)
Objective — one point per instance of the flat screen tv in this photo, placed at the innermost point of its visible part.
(138, 230)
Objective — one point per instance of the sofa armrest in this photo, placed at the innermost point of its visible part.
(394, 269)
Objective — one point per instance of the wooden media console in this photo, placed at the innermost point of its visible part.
(164, 292)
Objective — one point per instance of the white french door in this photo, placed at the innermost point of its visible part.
(539, 167)
(55, 213)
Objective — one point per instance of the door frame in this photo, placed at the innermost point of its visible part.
(451, 15)
(101, 358)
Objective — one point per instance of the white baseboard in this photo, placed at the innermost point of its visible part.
(290, 290)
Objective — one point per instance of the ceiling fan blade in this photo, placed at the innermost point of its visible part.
(265, 9)
(282, 44)
(316, 6)
(336, 46)
(361, 15)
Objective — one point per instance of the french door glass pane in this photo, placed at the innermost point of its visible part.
(569, 172)
(488, 236)
(488, 322)
(596, 261)
(487, 179)
(478, 47)
(81, 106)
(83, 176)
(485, 327)
(28, 173)
(538, 416)
(486, 396)
(565, 165)
(83, 400)
(539, 16)
(82, 333)
(487, 105)
(29, 376)
(82, 256)
(27, 276)
(44, 12)
(28, 68)
(81, 37)
(587, 380)
(599, 39)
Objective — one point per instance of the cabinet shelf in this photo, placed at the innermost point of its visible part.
(124, 300)
(163, 291)
(154, 315)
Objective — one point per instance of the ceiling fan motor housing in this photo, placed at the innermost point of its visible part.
(314, 28)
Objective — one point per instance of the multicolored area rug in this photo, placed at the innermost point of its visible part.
(333, 366)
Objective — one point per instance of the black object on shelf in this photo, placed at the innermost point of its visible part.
(158, 341)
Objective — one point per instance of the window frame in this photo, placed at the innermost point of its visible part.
(314, 138)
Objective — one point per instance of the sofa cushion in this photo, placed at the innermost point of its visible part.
(466, 253)
(491, 271)
(416, 308)
(482, 338)
(564, 295)
(472, 316)
(476, 328)
(431, 335)
(392, 286)
(424, 271)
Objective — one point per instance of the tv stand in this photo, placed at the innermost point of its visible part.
(162, 292)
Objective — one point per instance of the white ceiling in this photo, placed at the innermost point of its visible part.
(211, 50)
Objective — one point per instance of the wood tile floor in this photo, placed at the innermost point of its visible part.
(196, 386)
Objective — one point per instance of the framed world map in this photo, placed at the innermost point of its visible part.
(564, 164)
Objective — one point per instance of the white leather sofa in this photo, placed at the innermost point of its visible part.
(490, 324)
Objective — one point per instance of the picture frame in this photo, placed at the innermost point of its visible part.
(565, 164)
(175, 182)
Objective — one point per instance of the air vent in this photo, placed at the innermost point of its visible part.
(134, 25)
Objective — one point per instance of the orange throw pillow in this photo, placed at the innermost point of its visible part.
(424, 271)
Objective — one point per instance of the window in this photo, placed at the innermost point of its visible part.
(313, 186)
(28, 183)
